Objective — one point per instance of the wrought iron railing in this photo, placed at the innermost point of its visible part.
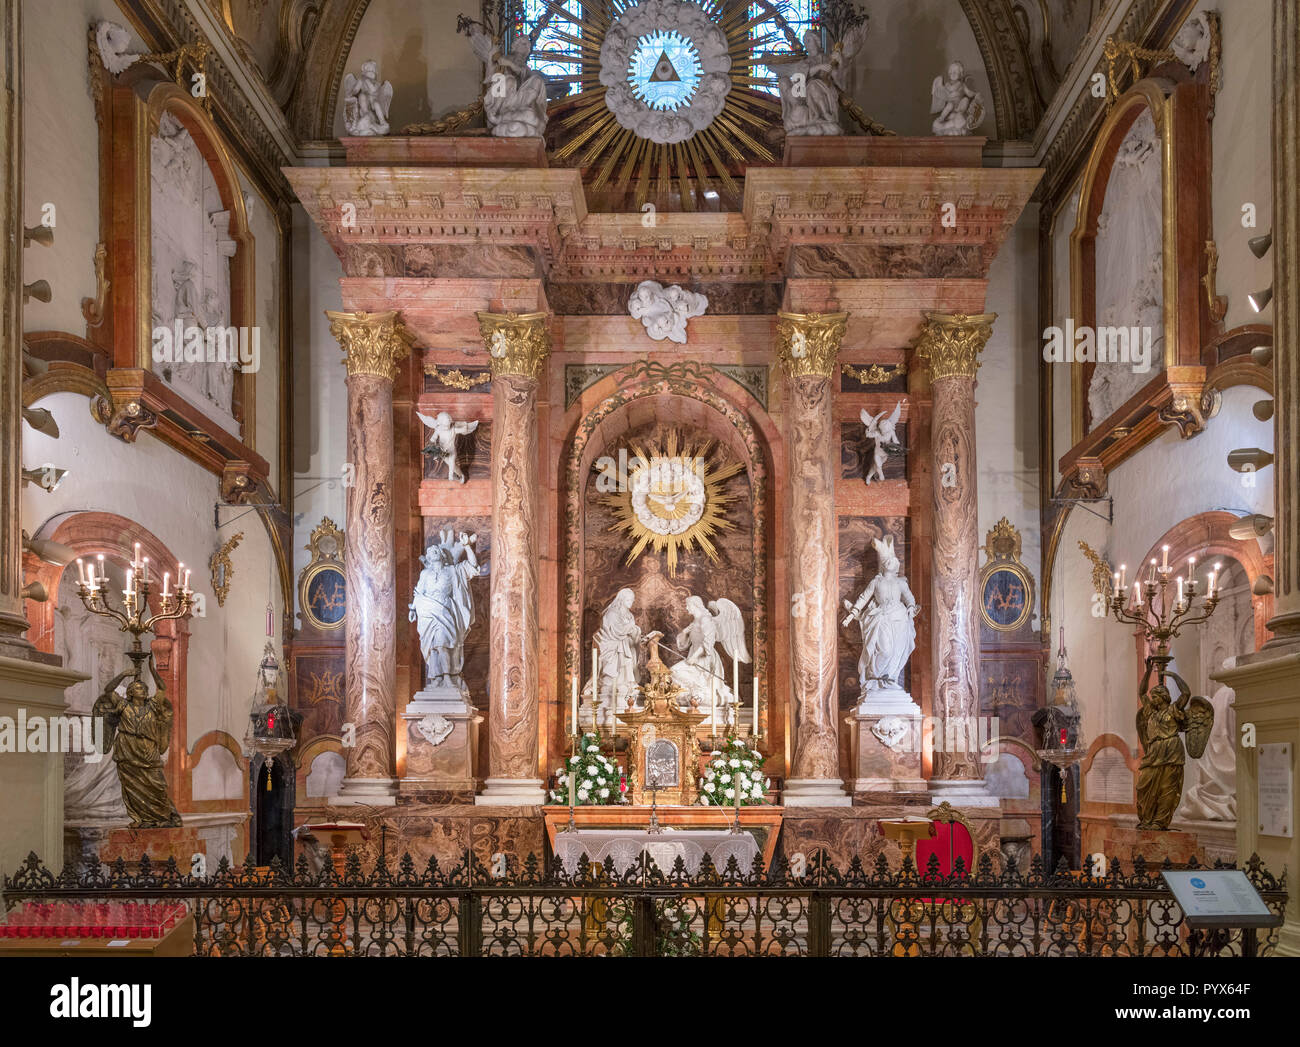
(537, 910)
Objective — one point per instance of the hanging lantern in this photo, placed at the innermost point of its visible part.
(270, 729)
(1061, 722)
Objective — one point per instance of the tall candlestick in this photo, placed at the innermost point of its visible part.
(713, 705)
(573, 788)
(735, 681)
(167, 575)
(103, 577)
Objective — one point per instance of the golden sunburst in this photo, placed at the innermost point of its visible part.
(708, 162)
(673, 500)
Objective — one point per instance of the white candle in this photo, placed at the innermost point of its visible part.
(754, 729)
(1214, 584)
(1117, 586)
(573, 788)
(1180, 588)
(1123, 574)
(713, 704)
(1165, 565)
(130, 582)
(144, 570)
(136, 561)
(186, 586)
(575, 704)
(103, 578)
(81, 571)
(166, 579)
(1153, 570)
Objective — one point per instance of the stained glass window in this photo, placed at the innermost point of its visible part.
(799, 15)
(553, 56)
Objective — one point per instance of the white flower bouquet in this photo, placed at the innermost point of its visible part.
(734, 768)
(595, 776)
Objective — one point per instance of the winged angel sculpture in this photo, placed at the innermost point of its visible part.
(442, 441)
(366, 101)
(514, 95)
(883, 434)
(702, 668)
(810, 84)
(1159, 722)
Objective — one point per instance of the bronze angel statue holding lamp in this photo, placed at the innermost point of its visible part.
(1160, 721)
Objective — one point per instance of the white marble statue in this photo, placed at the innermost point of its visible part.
(443, 608)
(663, 311)
(617, 640)
(366, 101)
(1210, 785)
(514, 94)
(1192, 43)
(885, 611)
(959, 106)
(810, 85)
(882, 431)
(442, 441)
(112, 40)
(702, 668)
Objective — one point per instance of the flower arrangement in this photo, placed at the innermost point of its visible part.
(734, 767)
(596, 778)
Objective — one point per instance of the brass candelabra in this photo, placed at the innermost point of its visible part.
(1162, 615)
(135, 616)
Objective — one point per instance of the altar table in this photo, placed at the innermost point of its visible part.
(626, 846)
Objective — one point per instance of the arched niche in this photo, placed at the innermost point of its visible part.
(622, 405)
(1156, 136)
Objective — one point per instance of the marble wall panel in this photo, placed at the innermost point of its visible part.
(888, 261)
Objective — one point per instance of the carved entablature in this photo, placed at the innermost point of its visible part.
(1139, 312)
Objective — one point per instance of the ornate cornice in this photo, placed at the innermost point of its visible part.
(808, 343)
(372, 343)
(950, 343)
(1017, 106)
(517, 343)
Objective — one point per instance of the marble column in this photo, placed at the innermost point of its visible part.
(950, 346)
(13, 620)
(808, 346)
(518, 346)
(1267, 682)
(373, 345)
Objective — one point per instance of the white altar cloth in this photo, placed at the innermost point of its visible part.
(625, 846)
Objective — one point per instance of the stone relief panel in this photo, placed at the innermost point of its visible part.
(191, 248)
(858, 565)
(1130, 265)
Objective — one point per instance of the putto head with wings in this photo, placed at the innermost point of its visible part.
(882, 431)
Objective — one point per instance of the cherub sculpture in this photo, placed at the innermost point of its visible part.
(883, 434)
(960, 106)
(442, 441)
(702, 668)
(138, 727)
(1159, 722)
(885, 610)
(514, 94)
(810, 84)
(366, 101)
(663, 311)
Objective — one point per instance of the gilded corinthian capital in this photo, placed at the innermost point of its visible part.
(951, 343)
(808, 343)
(372, 343)
(517, 343)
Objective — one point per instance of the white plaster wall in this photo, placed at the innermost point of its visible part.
(319, 388)
(173, 498)
(1006, 411)
(61, 157)
(1168, 481)
(1242, 149)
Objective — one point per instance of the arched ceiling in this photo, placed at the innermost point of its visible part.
(301, 48)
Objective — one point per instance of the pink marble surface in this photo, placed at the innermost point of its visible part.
(955, 579)
(512, 721)
(813, 584)
(371, 639)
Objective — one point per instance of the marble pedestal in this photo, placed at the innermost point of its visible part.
(441, 740)
(961, 792)
(1126, 843)
(815, 792)
(886, 751)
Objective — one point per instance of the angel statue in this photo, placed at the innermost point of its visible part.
(138, 727)
(702, 667)
(883, 434)
(617, 640)
(514, 94)
(960, 106)
(1159, 722)
(366, 101)
(885, 611)
(810, 84)
(443, 607)
(442, 441)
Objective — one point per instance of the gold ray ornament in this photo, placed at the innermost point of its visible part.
(672, 500)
